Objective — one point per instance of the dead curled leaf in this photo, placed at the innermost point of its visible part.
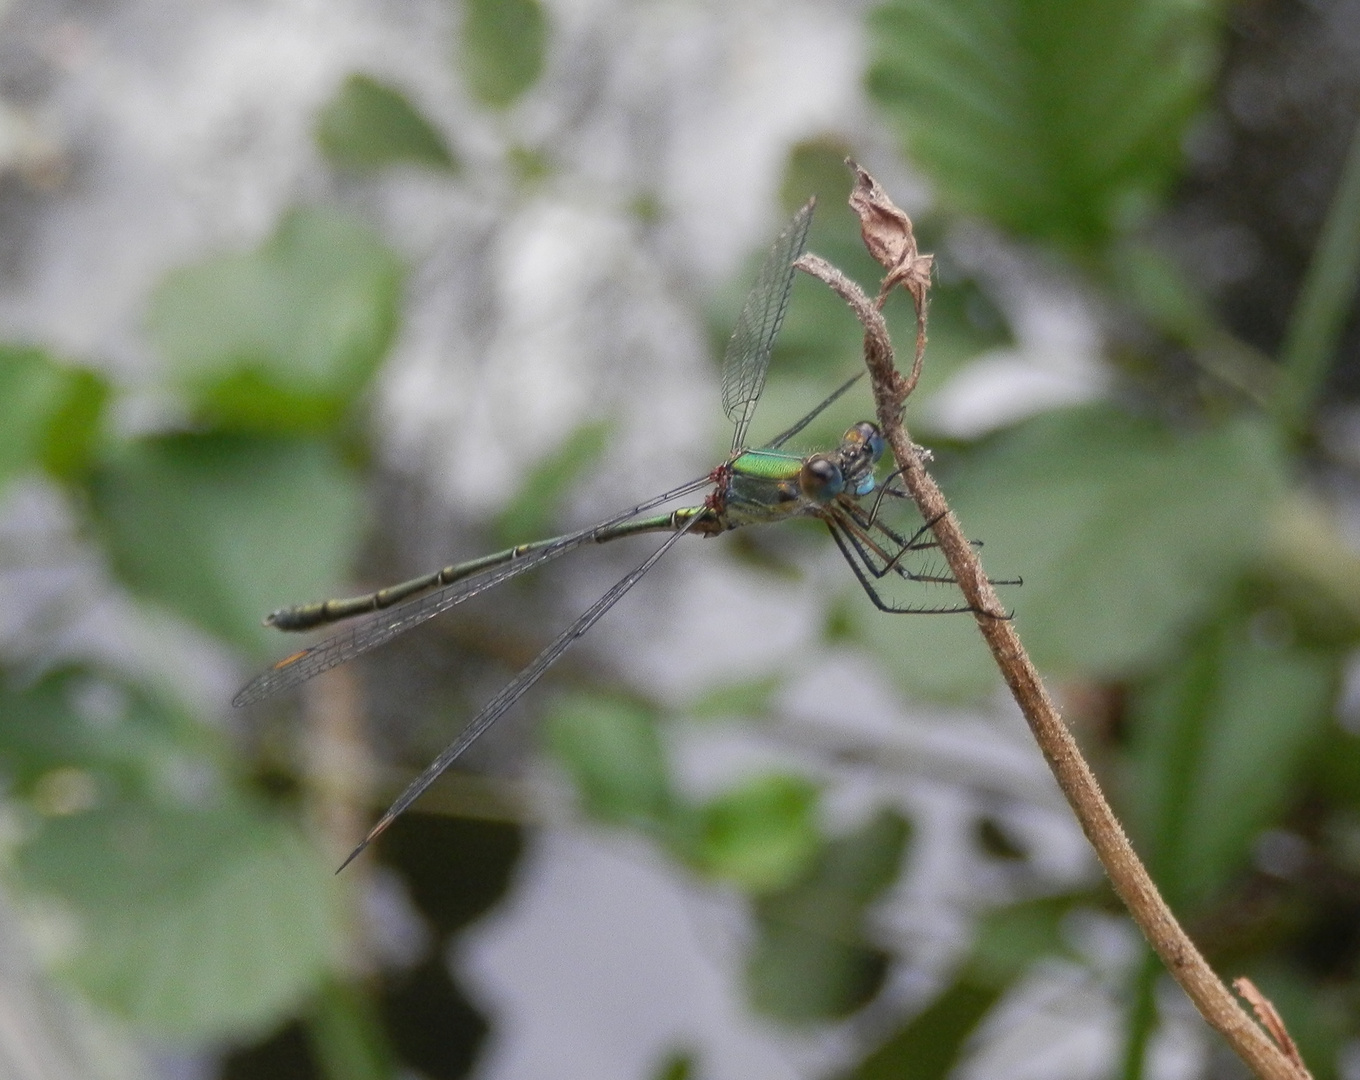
(890, 240)
(888, 235)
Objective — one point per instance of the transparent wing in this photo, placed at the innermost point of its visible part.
(748, 351)
(831, 399)
(340, 648)
(514, 690)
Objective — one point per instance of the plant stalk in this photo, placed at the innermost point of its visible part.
(888, 236)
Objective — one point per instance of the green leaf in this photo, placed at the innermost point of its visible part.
(931, 1044)
(810, 961)
(74, 426)
(502, 48)
(759, 835)
(1124, 532)
(1011, 938)
(748, 697)
(31, 386)
(1322, 309)
(1159, 289)
(285, 338)
(49, 414)
(100, 733)
(530, 165)
(368, 125)
(1059, 119)
(1335, 773)
(614, 756)
(677, 1065)
(224, 529)
(532, 511)
(1218, 741)
(346, 1035)
(193, 924)
(942, 657)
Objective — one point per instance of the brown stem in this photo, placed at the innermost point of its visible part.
(338, 785)
(1130, 879)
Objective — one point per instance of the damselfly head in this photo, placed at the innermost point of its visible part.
(860, 449)
(821, 478)
(867, 435)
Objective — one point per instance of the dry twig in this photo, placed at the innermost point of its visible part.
(1269, 1016)
(888, 236)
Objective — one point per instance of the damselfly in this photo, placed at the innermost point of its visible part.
(753, 486)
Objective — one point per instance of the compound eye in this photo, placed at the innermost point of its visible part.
(821, 478)
(867, 434)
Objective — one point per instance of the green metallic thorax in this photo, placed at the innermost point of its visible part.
(766, 465)
(763, 487)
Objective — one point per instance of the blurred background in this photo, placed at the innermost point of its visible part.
(298, 299)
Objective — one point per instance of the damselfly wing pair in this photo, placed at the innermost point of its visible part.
(752, 487)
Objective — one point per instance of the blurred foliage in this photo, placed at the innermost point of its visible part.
(750, 697)
(1050, 118)
(156, 865)
(347, 1038)
(281, 339)
(502, 49)
(49, 414)
(676, 1066)
(210, 524)
(197, 906)
(368, 125)
(931, 1043)
(192, 899)
(758, 835)
(182, 890)
(616, 761)
(101, 739)
(1052, 497)
(534, 510)
(811, 960)
(1218, 737)
(163, 898)
(190, 905)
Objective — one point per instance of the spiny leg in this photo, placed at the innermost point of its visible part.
(869, 520)
(874, 558)
(849, 549)
(893, 564)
